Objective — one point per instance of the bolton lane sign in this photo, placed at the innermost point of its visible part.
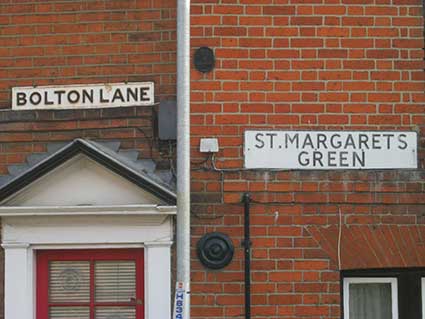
(83, 96)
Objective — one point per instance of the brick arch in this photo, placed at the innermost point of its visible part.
(373, 246)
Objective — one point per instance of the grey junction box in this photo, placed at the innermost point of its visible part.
(167, 120)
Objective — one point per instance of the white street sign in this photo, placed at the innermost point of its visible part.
(83, 96)
(330, 150)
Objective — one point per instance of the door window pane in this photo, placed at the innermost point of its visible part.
(115, 313)
(69, 281)
(69, 313)
(115, 281)
(370, 301)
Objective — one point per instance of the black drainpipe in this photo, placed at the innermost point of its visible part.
(247, 248)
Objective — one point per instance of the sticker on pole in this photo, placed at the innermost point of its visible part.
(181, 301)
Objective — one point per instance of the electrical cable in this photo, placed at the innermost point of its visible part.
(202, 161)
(149, 140)
(170, 160)
(224, 169)
(200, 216)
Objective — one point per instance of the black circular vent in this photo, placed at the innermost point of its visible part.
(215, 250)
(204, 59)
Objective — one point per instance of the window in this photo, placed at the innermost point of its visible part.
(384, 294)
(90, 284)
(370, 298)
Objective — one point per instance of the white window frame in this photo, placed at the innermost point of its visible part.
(371, 280)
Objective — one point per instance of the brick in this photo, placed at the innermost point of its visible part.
(311, 310)
(317, 20)
(306, 42)
(382, 54)
(360, 108)
(279, 10)
(359, 64)
(285, 299)
(255, 42)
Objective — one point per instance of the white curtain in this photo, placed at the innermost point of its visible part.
(370, 301)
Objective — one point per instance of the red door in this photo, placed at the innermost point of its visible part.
(90, 284)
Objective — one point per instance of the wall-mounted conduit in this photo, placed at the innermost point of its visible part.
(247, 252)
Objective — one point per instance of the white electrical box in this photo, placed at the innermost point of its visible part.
(208, 145)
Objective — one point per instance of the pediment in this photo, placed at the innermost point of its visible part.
(84, 174)
(82, 182)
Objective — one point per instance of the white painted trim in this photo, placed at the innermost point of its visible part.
(98, 246)
(87, 210)
(358, 280)
(15, 245)
(83, 181)
(158, 243)
(83, 205)
(158, 260)
(22, 237)
(83, 246)
(19, 283)
(86, 230)
(423, 296)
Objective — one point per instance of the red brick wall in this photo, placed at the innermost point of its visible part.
(70, 42)
(58, 42)
(306, 64)
(311, 64)
(28, 132)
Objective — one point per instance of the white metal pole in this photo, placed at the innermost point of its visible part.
(183, 147)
